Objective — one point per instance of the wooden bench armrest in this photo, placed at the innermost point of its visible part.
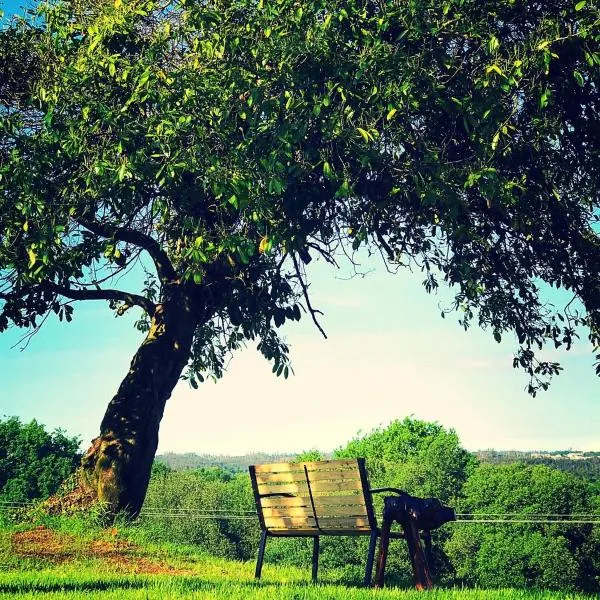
(386, 489)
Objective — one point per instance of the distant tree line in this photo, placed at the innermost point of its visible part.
(191, 460)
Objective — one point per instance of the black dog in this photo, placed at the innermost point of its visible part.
(427, 513)
(414, 515)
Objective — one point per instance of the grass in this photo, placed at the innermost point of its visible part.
(71, 560)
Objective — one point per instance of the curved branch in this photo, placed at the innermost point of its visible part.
(164, 267)
(118, 295)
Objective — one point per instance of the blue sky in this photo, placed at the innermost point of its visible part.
(389, 354)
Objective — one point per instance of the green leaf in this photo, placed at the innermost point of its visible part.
(580, 5)
(365, 134)
(122, 171)
(327, 170)
(578, 78)
(495, 140)
(495, 69)
(391, 113)
(493, 44)
(32, 257)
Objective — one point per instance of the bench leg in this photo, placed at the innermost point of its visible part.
(261, 554)
(315, 558)
(370, 558)
(384, 543)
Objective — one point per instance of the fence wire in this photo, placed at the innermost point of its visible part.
(227, 514)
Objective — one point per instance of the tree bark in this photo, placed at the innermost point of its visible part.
(117, 466)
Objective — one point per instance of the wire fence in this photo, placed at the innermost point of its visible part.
(462, 518)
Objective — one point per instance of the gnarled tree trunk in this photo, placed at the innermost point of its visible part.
(117, 466)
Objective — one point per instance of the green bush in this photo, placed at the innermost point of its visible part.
(178, 503)
(550, 556)
(421, 458)
(33, 462)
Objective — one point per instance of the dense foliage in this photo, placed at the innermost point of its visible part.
(233, 138)
(33, 462)
(544, 555)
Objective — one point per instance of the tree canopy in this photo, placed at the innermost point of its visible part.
(231, 141)
(420, 457)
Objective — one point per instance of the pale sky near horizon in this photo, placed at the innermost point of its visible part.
(389, 355)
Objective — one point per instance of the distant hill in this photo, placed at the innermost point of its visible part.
(190, 460)
(584, 464)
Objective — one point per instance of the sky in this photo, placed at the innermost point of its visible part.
(388, 355)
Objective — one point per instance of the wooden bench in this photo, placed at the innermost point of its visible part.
(310, 499)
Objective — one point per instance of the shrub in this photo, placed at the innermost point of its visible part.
(33, 462)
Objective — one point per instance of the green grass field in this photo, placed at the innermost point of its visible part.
(44, 562)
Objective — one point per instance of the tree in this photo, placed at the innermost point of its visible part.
(33, 462)
(229, 142)
(559, 556)
(423, 458)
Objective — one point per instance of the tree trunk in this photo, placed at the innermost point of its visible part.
(117, 466)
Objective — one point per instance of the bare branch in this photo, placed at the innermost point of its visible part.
(313, 312)
(164, 267)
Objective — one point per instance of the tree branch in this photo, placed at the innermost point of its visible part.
(118, 295)
(313, 312)
(164, 267)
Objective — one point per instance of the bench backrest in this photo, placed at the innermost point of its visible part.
(313, 498)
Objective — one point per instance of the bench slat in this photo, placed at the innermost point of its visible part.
(327, 511)
(292, 477)
(313, 531)
(283, 501)
(309, 522)
(300, 476)
(289, 522)
(311, 466)
(288, 511)
(343, 522)
(346, 500)
(334, 510)
(347, 475)
(301, 488)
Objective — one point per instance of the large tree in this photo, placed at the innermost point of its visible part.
(225, 143)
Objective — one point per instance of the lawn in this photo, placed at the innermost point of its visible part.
(48, 563)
